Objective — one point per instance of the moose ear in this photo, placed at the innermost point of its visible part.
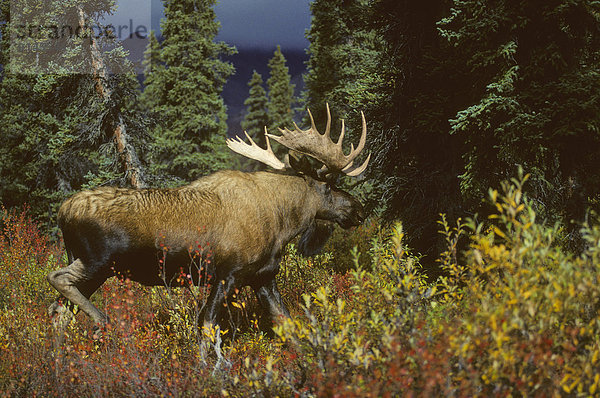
(301, 163)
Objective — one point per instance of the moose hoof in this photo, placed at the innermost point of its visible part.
(56, 309)
(98, 333)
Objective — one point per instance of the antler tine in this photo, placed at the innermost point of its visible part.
(312, 121)
(252, 143)
(328, 125)
(363, 139)
(266, 139)
(341, 138)
(358, 170)
(253, 151)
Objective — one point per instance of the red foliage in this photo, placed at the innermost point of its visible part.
(21, 241)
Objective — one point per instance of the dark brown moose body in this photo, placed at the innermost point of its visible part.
(243, 220)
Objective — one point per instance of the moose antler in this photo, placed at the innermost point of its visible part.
(320, 146)
(255, 152)
(311, 143)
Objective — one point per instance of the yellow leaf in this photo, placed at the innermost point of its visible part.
(498, 232)
(594, 386)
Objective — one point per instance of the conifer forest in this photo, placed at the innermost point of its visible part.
(454, 252)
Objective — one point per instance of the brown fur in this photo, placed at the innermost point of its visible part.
(245, 219)
(233, 210)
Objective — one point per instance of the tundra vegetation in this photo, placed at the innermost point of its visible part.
(516, 315)
(458, 94)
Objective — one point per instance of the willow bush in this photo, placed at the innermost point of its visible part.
(514, 314)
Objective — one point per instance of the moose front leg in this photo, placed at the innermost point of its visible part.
(214, 309)
(271, 302)
(216, 302)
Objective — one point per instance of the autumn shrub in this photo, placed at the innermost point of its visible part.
(529, 321)
(352, 346)
(514, 315)
(26, 256)
(300, 275)
(342, 242)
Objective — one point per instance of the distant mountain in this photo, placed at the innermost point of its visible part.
(246, 61)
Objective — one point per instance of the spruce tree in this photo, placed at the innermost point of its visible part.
(281, 93)
(535, 99)
(153, 71)
(416, 161)
(256, 118)
(344, 68)
(387, 59)
(184, 94)
(327, 32)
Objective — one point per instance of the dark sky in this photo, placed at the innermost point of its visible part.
(250, 23)
(264, 23)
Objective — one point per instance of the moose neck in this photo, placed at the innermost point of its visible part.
(295, 200)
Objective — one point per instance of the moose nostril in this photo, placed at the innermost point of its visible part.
(361, 216)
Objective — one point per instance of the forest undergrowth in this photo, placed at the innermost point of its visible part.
(515, 314)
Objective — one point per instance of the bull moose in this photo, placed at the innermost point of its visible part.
(247, 218)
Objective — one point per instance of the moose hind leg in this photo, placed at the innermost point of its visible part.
(76, 285)
(61, 306)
